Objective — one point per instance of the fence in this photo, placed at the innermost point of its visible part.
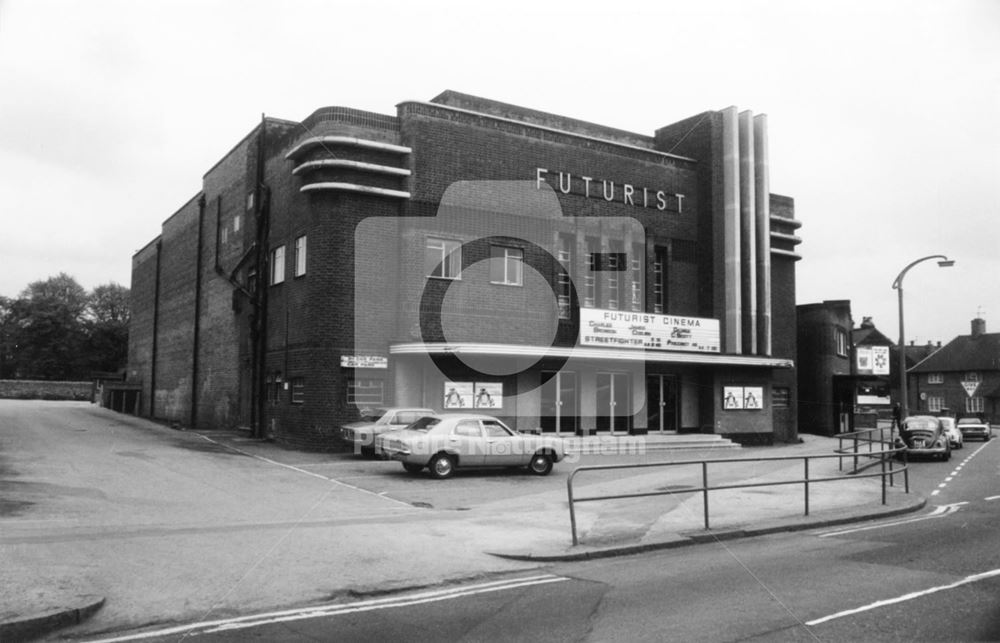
(883, 456)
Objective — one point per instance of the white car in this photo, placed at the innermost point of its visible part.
(446, 442)
(951, 430)
(974, 427)
(361, 435)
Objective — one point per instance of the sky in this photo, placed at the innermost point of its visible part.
(883, 115)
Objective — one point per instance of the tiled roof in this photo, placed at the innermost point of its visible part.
(964, 353)
(869, 336)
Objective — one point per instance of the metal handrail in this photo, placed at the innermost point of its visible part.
(884, 456)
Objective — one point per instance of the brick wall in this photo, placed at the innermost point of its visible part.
(45, 390)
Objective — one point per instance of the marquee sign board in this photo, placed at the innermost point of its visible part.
(620, 329)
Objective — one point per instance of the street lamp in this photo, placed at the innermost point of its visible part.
(943, 262)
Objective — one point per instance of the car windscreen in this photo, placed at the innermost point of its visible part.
(921, 424)
(423, 424)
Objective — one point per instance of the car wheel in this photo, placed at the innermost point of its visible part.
(368, 452)
(441, 466)
(541, 464)
(412, 468)
(946, 456)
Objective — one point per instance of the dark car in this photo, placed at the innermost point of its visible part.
(925, 435)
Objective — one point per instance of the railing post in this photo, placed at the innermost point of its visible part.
(572, 512)
(806, 460)
(906, 472)
(855, 470)
(704, 487)
(840, 450)
(883, 481)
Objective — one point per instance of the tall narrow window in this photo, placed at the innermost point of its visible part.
(841, 342)
(505, 265)
(637, 265)
(659, 280)
(974, 404)
(614, 266)
(566, 244)
(443, 258)
(278, 265)
(590, 278)
(300, 256)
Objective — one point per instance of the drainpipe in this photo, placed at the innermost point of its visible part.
(193, 422)
(262, 206)
(156, 326)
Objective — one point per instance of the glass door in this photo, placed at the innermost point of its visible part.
(560, 405)
(661, 402)
(614, 406)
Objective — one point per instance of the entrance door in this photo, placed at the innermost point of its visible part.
(560, 407)
(614, 406)
(661, 402)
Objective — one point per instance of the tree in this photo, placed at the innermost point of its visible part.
(47, 329)
(107, 319)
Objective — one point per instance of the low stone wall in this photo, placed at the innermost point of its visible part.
(45, 390)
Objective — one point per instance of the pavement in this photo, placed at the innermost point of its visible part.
(519, 532)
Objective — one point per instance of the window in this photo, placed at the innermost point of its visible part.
(974, 405)
(935, 378)
(935, 403)
(841, 342)
(565, 279)
(300, 256)
(590, 279)
(237, 220)
(468, 428)
(971, 376)
(659, 280)
(249, 200)
(781, 397)
(273, 385)
(443, 258)
(495, 430)
(364, 391)
(298, 390)
(506, 265)
(614, 264)
(635, 291)
(225, 235)
(278, 265)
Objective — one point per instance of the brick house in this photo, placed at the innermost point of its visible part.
(962, 378)
(465, 253)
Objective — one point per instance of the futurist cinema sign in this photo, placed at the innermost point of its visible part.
(619, 329)
(625, 193)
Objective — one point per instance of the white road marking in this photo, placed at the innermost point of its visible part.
(308, 473)
(992, 498)
(243, 622)
(939, 512)
(906, 597)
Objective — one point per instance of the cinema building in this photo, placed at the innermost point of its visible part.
(468, 254)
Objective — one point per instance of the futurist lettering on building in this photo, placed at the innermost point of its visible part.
(624, 193)
(619, 329)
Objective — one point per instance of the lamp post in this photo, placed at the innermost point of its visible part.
(943, 262)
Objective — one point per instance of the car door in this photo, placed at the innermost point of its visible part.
(466, 440)
(503, 447)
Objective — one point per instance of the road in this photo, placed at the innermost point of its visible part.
(934, 576)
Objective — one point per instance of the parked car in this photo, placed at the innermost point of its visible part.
(952, 431)
(446, 442)
(973, 427)
(361, 435)
(924, 435)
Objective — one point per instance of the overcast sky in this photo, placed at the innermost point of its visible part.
(884, 116)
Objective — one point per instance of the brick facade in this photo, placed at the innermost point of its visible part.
(215, 344)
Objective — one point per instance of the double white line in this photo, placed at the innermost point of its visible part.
(256, 620)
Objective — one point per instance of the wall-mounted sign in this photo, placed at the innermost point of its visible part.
(970, 388)
(619, 329)
(364, 361)
(737, 398)
(588, 187)
(873, 360)
(473, 395)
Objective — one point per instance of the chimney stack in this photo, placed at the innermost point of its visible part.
(978, 327)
